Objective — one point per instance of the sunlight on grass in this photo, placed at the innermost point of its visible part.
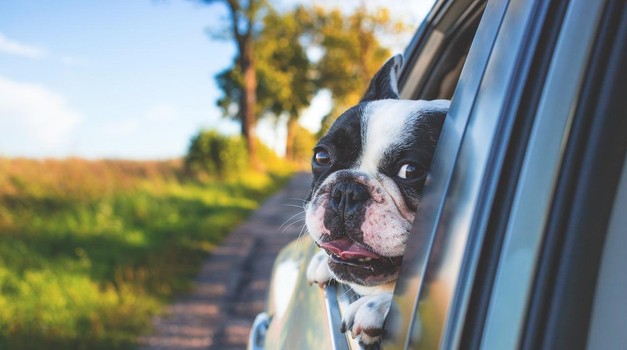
(89, 251)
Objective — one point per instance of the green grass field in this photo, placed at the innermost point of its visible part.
(89, 250)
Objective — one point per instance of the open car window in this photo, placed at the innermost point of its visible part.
(434, 61)
(433, 65)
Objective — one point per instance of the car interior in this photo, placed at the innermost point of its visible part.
(442, 44)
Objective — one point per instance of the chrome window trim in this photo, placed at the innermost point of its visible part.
(334, 317)
(464, 233)
(523, 237)
(471, 186)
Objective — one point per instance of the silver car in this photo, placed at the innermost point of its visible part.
(521, 239)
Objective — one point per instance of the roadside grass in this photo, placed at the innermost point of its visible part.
(90, 250)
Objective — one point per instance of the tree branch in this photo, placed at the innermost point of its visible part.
(235, 17)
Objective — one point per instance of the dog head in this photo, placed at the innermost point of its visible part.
(369, 170)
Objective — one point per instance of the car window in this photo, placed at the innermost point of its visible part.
(434, 62)
(437, 54)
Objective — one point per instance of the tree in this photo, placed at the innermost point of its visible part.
(244, 17)
(285, 72)
(352, 52)
(285, 76)
(285, 84)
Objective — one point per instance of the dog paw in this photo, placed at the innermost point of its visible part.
(365, 318)
(318, 270)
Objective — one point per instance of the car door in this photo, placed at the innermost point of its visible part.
(500, 252)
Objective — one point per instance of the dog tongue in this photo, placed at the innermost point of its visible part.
(347, 249)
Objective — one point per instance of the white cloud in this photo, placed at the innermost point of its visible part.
(35, 119)
(13, 47)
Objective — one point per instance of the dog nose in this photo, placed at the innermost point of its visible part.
(347, 197)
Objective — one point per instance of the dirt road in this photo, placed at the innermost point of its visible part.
(231, 287)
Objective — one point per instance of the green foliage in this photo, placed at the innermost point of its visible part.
(211, 154)
(231, 82)
(287, 78)
(353, 52)
(89, 251)
(243, 24)
(304, 143)
(284, 72)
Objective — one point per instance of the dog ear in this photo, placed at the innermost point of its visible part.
(384, 85)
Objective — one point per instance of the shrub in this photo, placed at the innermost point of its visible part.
(214, 155)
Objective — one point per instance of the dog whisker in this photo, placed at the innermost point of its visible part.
(348, 290)
(298, 199)
(303, 231)
(292, 224)
(290, 218)
(301, 234)
(292, 206)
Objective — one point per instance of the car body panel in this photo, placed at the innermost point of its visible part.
(513, 282)
(299, 316)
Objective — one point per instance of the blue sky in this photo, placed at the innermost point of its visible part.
(114, 79)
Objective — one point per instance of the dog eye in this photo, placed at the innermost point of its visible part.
(409, 171)
(322, 158)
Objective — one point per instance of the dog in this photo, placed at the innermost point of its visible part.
(369, 171)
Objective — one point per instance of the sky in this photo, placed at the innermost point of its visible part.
(120, 78)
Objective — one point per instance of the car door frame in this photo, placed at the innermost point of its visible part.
(476, 240)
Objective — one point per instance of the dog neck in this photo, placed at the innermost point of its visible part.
(371, 290)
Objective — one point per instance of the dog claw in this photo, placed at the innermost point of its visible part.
(374, 332)
(356, 332)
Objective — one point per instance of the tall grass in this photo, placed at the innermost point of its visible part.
(89, 250)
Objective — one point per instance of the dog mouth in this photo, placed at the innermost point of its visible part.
(354, 262)
(347, 250)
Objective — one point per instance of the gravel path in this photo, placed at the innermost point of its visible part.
(231, 287)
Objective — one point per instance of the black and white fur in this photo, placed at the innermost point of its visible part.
(369, 171)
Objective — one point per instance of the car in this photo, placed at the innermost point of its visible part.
(520, 237)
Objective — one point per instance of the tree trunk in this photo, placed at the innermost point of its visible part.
(248, 102)
(292, 124)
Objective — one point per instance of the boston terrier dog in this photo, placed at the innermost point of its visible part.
(369, 170)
